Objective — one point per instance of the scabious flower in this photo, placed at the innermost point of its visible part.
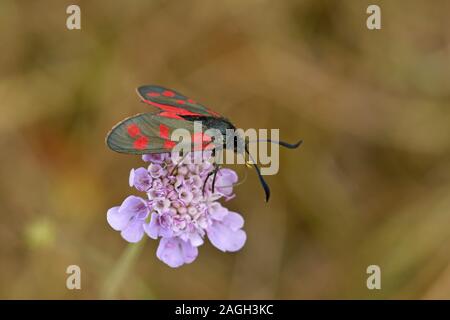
(180, 208)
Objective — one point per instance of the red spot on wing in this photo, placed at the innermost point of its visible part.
(169, 144)
(168, 93)
(181, 101)
(133, 130)
(201, 141)
(171, 109)
(163, 131)
(153, 94)
(200, 137)
(140, 143)
(191, 101)
(208, 146)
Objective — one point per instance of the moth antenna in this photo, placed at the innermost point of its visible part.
(261, 179)
(281, 143)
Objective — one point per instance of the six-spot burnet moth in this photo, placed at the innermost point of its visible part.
(150, 132)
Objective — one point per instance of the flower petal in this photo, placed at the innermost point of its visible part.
(161, 204)
(189, 252)
(225, 180)
(140, 179)
(131, 178)
(159, 226)
(217, 211)
(134, 206)
(176, 252)
(234, 220)
(195, 239)
(226, 235)
(152, 228)
(155, 158)
(117, 220)
(156, 170)
(134, 231)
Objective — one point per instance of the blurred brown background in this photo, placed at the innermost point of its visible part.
(370, 185)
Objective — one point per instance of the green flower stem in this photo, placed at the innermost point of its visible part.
(122, 268)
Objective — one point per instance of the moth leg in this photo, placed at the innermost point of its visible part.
(216, 169)
(206, 180)
(214, 172)
(178, 163)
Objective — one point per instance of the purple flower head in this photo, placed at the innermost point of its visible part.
(180, 209)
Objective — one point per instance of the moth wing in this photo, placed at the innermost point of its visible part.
(174, 102)
(151, 133)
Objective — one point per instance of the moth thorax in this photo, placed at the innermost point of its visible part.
(234, 141)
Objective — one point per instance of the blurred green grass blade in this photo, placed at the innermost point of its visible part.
(121, 271)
